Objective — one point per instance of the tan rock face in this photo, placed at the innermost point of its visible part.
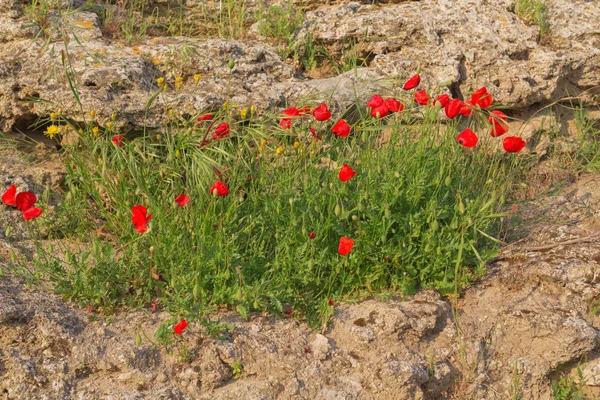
(466, 44)
(471, 44)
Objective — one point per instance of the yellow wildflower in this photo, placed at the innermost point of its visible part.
(244, 113)
(59, 111)
(157, 137)
(51, 131)
(171, 112)
(312, 152)
(263, 142)
(99, 160)
(296, 145)
(357, 128)
(92, 113)
(179, 85)
(80, 130)
(252, 110)
(196, 78)
(165, 86)
(53, 116)
(225, 104)
(176, 153)
(260, 148)
(279, 151)
(160, 81)
(178, 79)
(113, 116)
(95, 130)
(109, 125)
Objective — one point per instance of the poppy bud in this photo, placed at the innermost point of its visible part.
(388, 213)
(231, 64)
(448, 180)
(7, 231)
(354, 218)
(138, 339)
(337, 210)
(196, 291)
(151, 249)
(1, 272)
(461, 207)
(434, 226)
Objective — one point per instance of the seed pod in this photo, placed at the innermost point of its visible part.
(138, 339)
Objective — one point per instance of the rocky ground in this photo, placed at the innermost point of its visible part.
(532, 319)
(465, 44)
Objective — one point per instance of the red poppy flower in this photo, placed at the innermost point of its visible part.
(220, 188)
(498, 121)
(292, 112)
(314, 133)
(513, 144)
(32, 213)
(379, 112)
(288, 312)
(140, 218)
(466, 110)
(443, 100)
(9, 197)
(321, 113)
(341, 128)
(481, 98)
(376, 101)
(180, 327)
(205, 117)
(346, 245)
(346, 173)
(286, 123)
(412, 82)
(467, 138)
(221, 130)
(25, 200)
(182, 200)
(421, 97)
(452, 109)
(330, 302)
(394, 105)
(117, 140)
(312, 235)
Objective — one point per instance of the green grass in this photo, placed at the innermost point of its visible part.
(279, 25)
(533, 11)
(422, 212)
(569, 387)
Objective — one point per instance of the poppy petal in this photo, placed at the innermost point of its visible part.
(9, 197)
